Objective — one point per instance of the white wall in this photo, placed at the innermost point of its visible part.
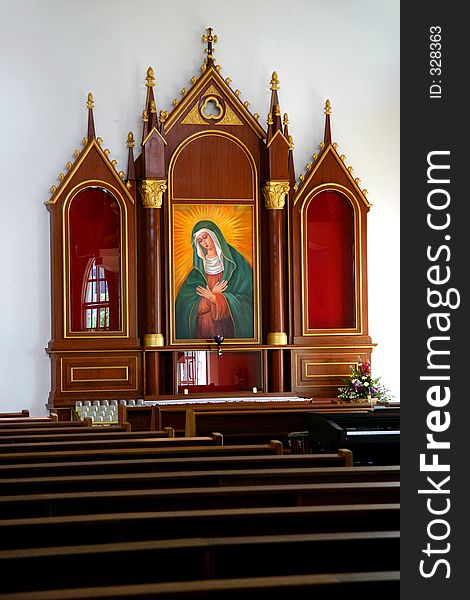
(53, 52)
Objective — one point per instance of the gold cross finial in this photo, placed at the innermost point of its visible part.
(210, 39)
(150, 78)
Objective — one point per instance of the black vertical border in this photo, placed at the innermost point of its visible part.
(430, 123)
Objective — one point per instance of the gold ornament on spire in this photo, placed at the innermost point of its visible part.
(130, 140)
(153, 106)
(89, 102)
(327, 108)
(150, 78)
(285, 119)
(209, 38)
(274, 81)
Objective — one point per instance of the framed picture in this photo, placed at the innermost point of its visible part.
(214, 273)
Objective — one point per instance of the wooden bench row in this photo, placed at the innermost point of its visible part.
(40, 532)
(193, 478)
(192, 559)
(198, 498)
(159, 447)
(216, 458)
(334, 586)
(161, 415)
(64, 429)
(15, 415)
(150, 439)
(46, 422)
(197, 520)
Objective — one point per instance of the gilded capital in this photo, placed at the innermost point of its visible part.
(275, 193)
(151, 191)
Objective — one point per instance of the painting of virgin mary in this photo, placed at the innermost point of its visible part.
(216, 297)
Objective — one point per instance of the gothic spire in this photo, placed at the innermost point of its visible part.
(91, 124)
(149, 114)
(130, 159)
(327, 135)
(274, 118)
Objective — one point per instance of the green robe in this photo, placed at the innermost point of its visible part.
(239, 293)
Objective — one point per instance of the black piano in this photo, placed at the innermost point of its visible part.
(372, 436)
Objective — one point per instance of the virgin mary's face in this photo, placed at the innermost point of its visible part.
(206, 243)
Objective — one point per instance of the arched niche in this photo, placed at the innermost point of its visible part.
(332, 261)
(95, 251)
(329, 262)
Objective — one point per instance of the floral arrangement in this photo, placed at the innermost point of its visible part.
(361, 385)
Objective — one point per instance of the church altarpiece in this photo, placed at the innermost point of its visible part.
(207, 268)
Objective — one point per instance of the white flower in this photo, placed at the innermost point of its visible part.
(366, 383)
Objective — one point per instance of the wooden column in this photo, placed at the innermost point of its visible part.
(275, 193)
(152, 196)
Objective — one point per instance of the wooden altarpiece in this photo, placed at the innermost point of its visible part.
(206, 270)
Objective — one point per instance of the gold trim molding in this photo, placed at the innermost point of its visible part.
(277, 338)
(152, 191)
(275, 193)
(154, 339)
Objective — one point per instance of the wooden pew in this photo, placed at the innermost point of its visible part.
(198, 498)
(158, 449)
(197, 558)
(15, 415)
(334, 586)
(143, 439)
(249, 426)
(39, 532)
(7, 432)
(42, 422)
(174, 415)
(108, 449)
(132, 481)
(58, 434)
(141, 418)
(257, 457)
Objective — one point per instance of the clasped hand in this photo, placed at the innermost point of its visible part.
(218, 288)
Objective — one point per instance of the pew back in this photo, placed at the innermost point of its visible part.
(259, 457)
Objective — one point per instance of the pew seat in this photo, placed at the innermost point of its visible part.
(155, 451)
(195, 498)
(193, 478)
(186, 559)
(334, 586)
(113, 432)
(39, 532)
(258, 457)
(15, 415)
(104, 442)
(44, 422)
